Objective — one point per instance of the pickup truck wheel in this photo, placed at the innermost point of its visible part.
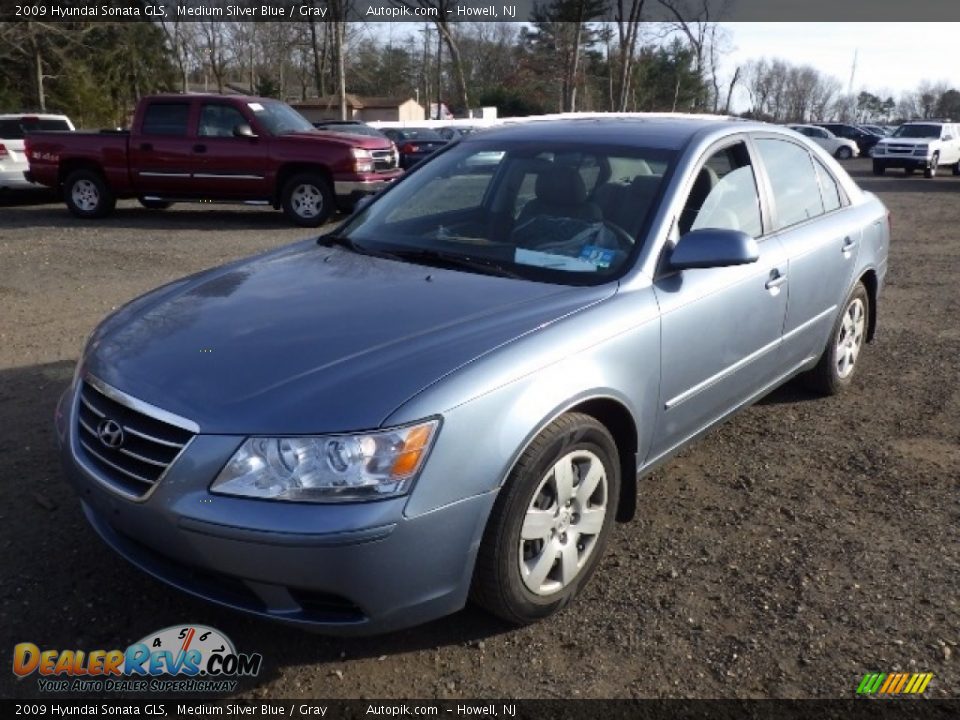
(308, 200)
(154, 204)
(550, 522)
(87, 194)
(931, 169)
(844, 153)
(834, 372)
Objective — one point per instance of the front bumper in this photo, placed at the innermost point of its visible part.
(914, 162)
(355, 189)
(351, 568)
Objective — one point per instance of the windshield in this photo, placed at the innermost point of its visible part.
(278, 118)
(419, 134)
(917, 131)
(567, 214)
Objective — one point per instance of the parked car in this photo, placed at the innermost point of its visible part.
(877, 130)
(924, 145)
(13, 158)
(453, 394)
(864, 140)
(415, 144)
(840, 148)
(213, 147)
(348, 127)
(455, 132)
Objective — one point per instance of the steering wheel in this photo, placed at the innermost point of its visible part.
(624, 239)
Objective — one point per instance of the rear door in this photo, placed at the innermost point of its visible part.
(162, 160)
(228, 166)
(821, 237)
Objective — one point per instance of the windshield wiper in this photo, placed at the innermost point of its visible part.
(438, 258)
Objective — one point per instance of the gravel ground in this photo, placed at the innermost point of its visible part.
(804, 543)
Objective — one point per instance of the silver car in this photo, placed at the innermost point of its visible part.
(453, 394)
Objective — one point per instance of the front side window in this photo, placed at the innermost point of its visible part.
(166, 119)
(724, 195)
(561, 213)
(796, 190)
(217, 120)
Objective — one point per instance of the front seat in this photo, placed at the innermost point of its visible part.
(560, 192)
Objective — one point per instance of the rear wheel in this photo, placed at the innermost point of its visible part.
(87, 194)
(931, 170)
(308, 200)
(834, 372)
(154, 204)
(550, 523)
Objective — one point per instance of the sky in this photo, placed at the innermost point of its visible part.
(891, 57)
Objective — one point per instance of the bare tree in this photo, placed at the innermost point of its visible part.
(628, 16)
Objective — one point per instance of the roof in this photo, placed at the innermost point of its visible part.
(665, 131)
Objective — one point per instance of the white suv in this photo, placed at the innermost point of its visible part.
(13, 160)
(923, 144)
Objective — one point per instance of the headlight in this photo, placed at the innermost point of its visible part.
(879, 149)
(921, 150)
(362, 160)
(328, 468)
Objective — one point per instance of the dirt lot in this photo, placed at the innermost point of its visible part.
(803, 544)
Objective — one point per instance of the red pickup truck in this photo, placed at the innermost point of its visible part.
(213, 148)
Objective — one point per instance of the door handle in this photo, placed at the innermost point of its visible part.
(776, 280)
(199, 148)
(146, 147)
(848, 245)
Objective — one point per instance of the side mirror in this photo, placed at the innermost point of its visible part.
(244, 131)
(713, 247)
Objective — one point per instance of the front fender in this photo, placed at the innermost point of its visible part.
(494, 408)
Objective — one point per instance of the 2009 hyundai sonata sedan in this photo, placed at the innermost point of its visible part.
(453, 394)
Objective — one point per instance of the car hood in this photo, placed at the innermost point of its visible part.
(368, 142)
(312, 339)
(907, 141)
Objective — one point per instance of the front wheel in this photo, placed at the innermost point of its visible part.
(87, 194)
(878, 168)
(550, 523)
(931, 170)
(844, 153)
(308, 200)
(834, 372)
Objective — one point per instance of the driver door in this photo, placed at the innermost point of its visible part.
(228, 166)
(720, 327)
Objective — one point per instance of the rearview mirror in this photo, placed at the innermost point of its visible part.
(243, 131)
(713, 247)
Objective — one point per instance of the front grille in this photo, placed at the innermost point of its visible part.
(384, 160)
(146, 448)
(900, 149)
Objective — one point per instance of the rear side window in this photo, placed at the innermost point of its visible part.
(828, 188)
(796, 190)
(166, 119)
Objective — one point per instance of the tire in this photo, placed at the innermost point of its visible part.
(931, 170)
(956, 168)
(878, 168)
(87, 194)
(307, 200)
(908, 171)
(154, 204)
(838, 364)
(844, 153)
(508, 581)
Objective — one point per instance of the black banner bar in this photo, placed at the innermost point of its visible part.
(865, 709)
(419, 11)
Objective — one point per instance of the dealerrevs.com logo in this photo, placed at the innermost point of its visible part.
(180, 658)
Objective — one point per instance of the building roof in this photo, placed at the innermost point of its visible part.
(357, 102)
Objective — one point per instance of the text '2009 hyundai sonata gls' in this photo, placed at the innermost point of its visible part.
(452, 396)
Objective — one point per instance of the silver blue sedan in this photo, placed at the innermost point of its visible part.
(453, 394)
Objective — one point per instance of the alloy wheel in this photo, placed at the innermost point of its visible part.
(85, 195)
(850, 337)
